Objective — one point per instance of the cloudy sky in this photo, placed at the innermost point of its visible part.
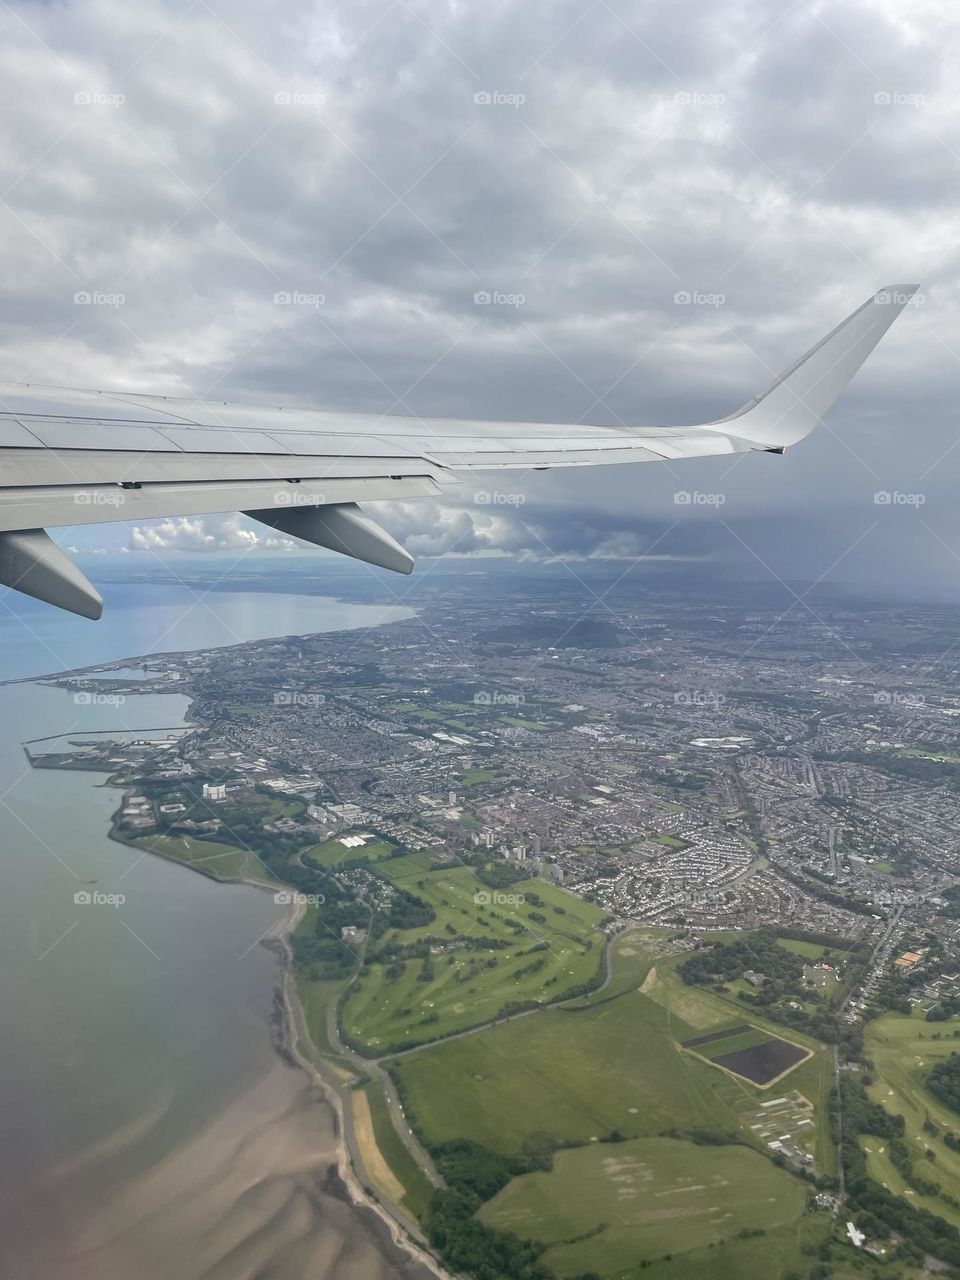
(189, 164)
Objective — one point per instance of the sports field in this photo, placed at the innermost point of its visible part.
(607, 1205)
(331, 853)
(488, 949)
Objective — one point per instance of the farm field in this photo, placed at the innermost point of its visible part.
(487, 950)
(607, 1205)
(903, 1051)
(749, 1052)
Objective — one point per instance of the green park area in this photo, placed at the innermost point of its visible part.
(613, 1063)
(667, 1155)
(903, 1050)
(478, 954)
(333, 852)
(607, 1205)
(220, 861)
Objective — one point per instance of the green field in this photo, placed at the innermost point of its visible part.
(332, 852)
(809, 950)
(218, 860)
(613, 1063)
(470, 978)
(606, 1206)
(575, 1075)
(474, 776)
(635, 953)
(417, 1188)
(730, 1044)
(903, 1051)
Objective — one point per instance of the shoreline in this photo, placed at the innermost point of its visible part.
(294, 1028)
(289, 1039)
(131, 661)
(291, 1042)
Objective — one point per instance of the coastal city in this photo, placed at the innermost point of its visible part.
(736, 814)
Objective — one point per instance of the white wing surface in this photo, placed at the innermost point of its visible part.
(82, 457)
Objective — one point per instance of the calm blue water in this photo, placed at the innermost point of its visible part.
(147, 1127)
(36, 639)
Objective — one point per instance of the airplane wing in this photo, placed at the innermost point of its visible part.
(83, 457)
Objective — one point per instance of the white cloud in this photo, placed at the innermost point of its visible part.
(714, 151)
(210, 533)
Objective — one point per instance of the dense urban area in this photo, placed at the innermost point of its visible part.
(626, 922)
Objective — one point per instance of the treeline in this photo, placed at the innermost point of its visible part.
(943, 1081)
(407, 911)
(500, 874)
(915, 768)
(817, 890)
(830, 940)
(727, 961)
(879, 1212)
(780, 995)
(474, 1174)
(467, 1245)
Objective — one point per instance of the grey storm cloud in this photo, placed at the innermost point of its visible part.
(303, 203)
